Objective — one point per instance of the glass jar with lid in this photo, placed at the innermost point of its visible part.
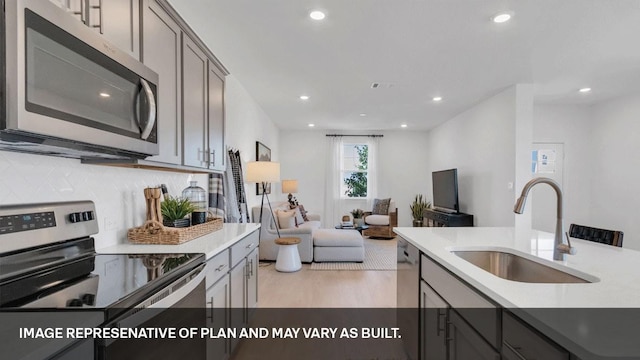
(196, 195)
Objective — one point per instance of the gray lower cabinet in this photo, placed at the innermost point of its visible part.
(232, 292)
(162, 46)
(218, 303)
(433, 324)
(519, 342)
(244, 281)
(458, 323)
(117, 20)
(466, 343)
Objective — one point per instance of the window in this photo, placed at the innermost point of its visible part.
(354, 163)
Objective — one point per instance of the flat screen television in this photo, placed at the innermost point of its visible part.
(445, 190)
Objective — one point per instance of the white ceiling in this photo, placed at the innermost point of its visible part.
(423, 48)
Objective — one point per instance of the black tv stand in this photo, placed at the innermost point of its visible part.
(434, 218)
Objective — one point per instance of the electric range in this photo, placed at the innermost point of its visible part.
(48, 265)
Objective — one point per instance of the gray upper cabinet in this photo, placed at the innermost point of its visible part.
(215, 140)
(117, 20)
(162, 45)
(194, 104)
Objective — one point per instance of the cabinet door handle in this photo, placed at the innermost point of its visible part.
(250, 246)
(99, 7)
(440, 315)
(219, 268)
(514, 349)
(251, 267)
(212, 154)
(202, 159)
(81, 12)
(210, 303)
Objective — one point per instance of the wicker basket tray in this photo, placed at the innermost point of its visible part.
(153, 232)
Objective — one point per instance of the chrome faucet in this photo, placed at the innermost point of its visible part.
(560, 248)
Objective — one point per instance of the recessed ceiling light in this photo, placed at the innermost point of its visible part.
(316, 15)
(502, 17)
(105, 95)
(403, 125)
(363, 114)
(312, 125)
(304, 97)
(585, 90)
(437, 98)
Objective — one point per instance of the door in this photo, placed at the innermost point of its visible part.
(218, 304)
(433, 326)
(547, 161)
(465, 343)
(194, 104)
(216, 118)
(118, 21)
(162, 53)
(238, 307)
(252, 282)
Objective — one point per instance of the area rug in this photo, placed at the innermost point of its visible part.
(378, 255)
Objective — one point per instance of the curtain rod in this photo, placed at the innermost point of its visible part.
(338, 135)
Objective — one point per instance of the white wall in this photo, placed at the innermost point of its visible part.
(402, 169)
(602, 168)
(616, 167)
(570, 125)
(117, 192)
(481, 144)
(246, 123)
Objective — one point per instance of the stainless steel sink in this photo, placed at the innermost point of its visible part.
(516, 268)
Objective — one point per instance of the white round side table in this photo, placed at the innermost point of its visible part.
(288, 257)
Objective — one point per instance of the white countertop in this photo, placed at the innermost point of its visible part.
(210, 244)
(617, 271)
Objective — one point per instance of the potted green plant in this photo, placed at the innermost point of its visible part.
(357, 217)
(174, 210)
(417, 210)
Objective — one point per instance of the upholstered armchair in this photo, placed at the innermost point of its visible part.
(381, 225)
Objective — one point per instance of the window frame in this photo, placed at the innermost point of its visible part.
(342, 170)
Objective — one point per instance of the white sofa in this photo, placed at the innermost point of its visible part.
(268, 234)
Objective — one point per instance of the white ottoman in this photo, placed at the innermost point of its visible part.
(288, 257)
(337, 245)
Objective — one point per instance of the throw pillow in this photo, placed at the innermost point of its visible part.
(381, 206)
(299, 218)
(286, 219)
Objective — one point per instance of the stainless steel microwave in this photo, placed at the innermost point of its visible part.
(69, 92)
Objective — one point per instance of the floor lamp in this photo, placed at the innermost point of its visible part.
(264, 172)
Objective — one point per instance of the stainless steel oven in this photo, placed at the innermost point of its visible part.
(51, 277)
(66, 87)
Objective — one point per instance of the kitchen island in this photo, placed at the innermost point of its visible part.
(592, 320)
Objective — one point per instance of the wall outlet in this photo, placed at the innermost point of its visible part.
(109, 223)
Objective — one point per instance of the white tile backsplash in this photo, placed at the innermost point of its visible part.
(117, 192)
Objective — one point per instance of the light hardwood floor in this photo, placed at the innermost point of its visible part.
(317, 290)
(322, 289)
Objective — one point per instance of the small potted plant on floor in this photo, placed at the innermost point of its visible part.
(174, 210)
(417, 210)
(357, 217)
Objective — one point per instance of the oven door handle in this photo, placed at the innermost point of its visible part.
(170, 300)
(151, 117)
